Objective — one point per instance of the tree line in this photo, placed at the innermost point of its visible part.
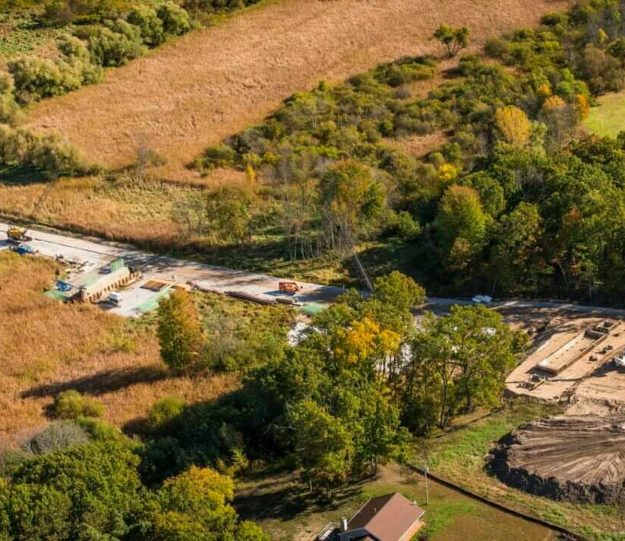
(81, 479)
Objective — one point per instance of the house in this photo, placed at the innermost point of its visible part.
(391, 517)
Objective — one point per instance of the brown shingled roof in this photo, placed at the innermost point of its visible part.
(387, 518)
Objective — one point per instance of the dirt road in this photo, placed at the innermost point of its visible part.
(195, 91)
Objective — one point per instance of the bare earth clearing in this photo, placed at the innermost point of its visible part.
(193, 92)
(571, 458)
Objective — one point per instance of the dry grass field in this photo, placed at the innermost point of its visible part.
(47, 347)
(195, 91)
(125, 210)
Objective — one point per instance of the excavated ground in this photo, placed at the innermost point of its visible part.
(575, 458)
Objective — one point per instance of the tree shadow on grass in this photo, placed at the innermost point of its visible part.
(21, 176)
(286, 497)
(102, 382)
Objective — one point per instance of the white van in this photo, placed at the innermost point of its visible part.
(114, 298)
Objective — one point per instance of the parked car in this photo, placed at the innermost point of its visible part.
(482, 299)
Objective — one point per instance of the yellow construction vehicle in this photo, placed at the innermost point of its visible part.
(16, 235)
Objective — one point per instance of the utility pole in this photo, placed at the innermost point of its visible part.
(427, 494)
(363, 272)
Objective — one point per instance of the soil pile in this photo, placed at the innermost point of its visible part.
(575, 458)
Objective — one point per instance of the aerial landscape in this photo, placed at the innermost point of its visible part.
(312, 270)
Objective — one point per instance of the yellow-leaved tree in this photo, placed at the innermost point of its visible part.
(513, 125)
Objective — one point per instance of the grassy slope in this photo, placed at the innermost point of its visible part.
(178, 108)
(236, 82)
(608, 117)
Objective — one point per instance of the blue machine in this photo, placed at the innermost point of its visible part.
(63, 286)
(24, 249)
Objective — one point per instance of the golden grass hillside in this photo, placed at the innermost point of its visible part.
(195, 91)
(47, 347)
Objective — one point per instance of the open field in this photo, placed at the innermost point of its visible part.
(195, 91)
(284, 509)
(48, 347)
(606, 119)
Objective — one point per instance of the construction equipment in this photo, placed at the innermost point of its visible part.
(619, 361)
(532, 382)
(289, 287)
(16, 235)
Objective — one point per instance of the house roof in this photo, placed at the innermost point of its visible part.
(386, 518)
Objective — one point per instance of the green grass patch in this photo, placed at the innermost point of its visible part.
(19, 35)
(608, 117)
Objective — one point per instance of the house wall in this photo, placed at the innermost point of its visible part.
(352, 534)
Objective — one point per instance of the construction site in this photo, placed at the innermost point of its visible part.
(576, 360)
(130, 283)
(574, 458)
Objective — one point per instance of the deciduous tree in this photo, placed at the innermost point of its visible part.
(453, 39)
(180, 332)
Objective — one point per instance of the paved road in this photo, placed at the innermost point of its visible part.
(98, 253)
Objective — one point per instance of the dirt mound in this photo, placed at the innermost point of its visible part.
(576, 458)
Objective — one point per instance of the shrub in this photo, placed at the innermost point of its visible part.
(78, 57)
(8, 107)
(554, 19)
(56, 436)
(72, 405)
(38, 78)
(453, 39)
(149, 24)
(14, 145)
(99, 430)
(406, 226)
(48, 154)
(176, 20)
(220, 156)
(216, 6)
(56, 158)
(164, 411)
(405, 71)
(116, 44)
